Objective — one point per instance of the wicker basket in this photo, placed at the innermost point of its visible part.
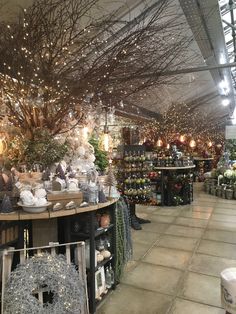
(229, 194)
(213, 190)
(219, 191)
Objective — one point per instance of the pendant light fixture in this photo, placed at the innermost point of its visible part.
(106, 142)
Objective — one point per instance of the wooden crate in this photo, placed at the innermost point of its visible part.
(66, 197)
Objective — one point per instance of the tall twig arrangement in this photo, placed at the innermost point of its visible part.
(60, 57)
(181, 119)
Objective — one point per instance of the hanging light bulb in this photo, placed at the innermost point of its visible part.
(182, 138)
(192, 144)
(168, 146)
(210, 144)
(159, 143)
(106, 142)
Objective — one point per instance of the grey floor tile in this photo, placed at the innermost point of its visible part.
(175, 242)
(203, 209)
(186, 307)
(221, 249)
(161, 218)
(195, 214)
(185, 231)
(191, 222)
(204, 204)
(225, 211)
(205, 198)
(223, 217)
(131, 265)
(202, 288)
(145, 209)
(153, 278)
(168, 257)
(130, 300)
(163, 251)
(155, 227)
(210, 265)
(220, 235)
(223, 204)
(139, 250)
(144, 237)
(169, 211)
(222, 225)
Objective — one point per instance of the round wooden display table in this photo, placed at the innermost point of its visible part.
(22, 229)
(49, 214)
(43, 227)
(171, 193)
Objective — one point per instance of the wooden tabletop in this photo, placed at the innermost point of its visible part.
(48, 214)
(174, 168)
(202, 158)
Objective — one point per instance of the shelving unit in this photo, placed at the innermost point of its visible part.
(61, 223)
(134, 175)
(176, 185)
(94, 232)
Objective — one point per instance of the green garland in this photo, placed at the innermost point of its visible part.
(123, 238)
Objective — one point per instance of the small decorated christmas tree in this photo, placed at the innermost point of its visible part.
(110, 180)
(6, 206)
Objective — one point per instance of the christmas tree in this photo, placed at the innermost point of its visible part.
(110, 180)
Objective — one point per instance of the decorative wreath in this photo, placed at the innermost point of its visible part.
(54, 275)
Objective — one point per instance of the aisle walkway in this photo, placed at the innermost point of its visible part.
(178, 259)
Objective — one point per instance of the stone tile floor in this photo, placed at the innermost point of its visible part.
(177, 259)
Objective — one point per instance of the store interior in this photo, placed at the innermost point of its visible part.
(118, 156)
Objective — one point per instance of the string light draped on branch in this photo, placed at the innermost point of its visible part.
(181, 123)
(52, 68)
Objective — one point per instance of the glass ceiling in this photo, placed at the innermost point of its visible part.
(228, 16)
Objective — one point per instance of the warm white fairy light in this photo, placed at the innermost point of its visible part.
(61, 279)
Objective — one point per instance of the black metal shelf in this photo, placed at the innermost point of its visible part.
(98, 232)
(104, 262)
(101, 231)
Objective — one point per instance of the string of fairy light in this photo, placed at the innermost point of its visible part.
(181, 123)
(50, 63)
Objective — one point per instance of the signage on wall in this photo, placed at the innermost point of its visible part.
(230, 132)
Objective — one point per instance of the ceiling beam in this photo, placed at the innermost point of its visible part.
(183, 71)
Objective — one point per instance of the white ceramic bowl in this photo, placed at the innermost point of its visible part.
(33, 208)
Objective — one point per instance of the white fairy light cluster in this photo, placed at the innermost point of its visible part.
(53, 274)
